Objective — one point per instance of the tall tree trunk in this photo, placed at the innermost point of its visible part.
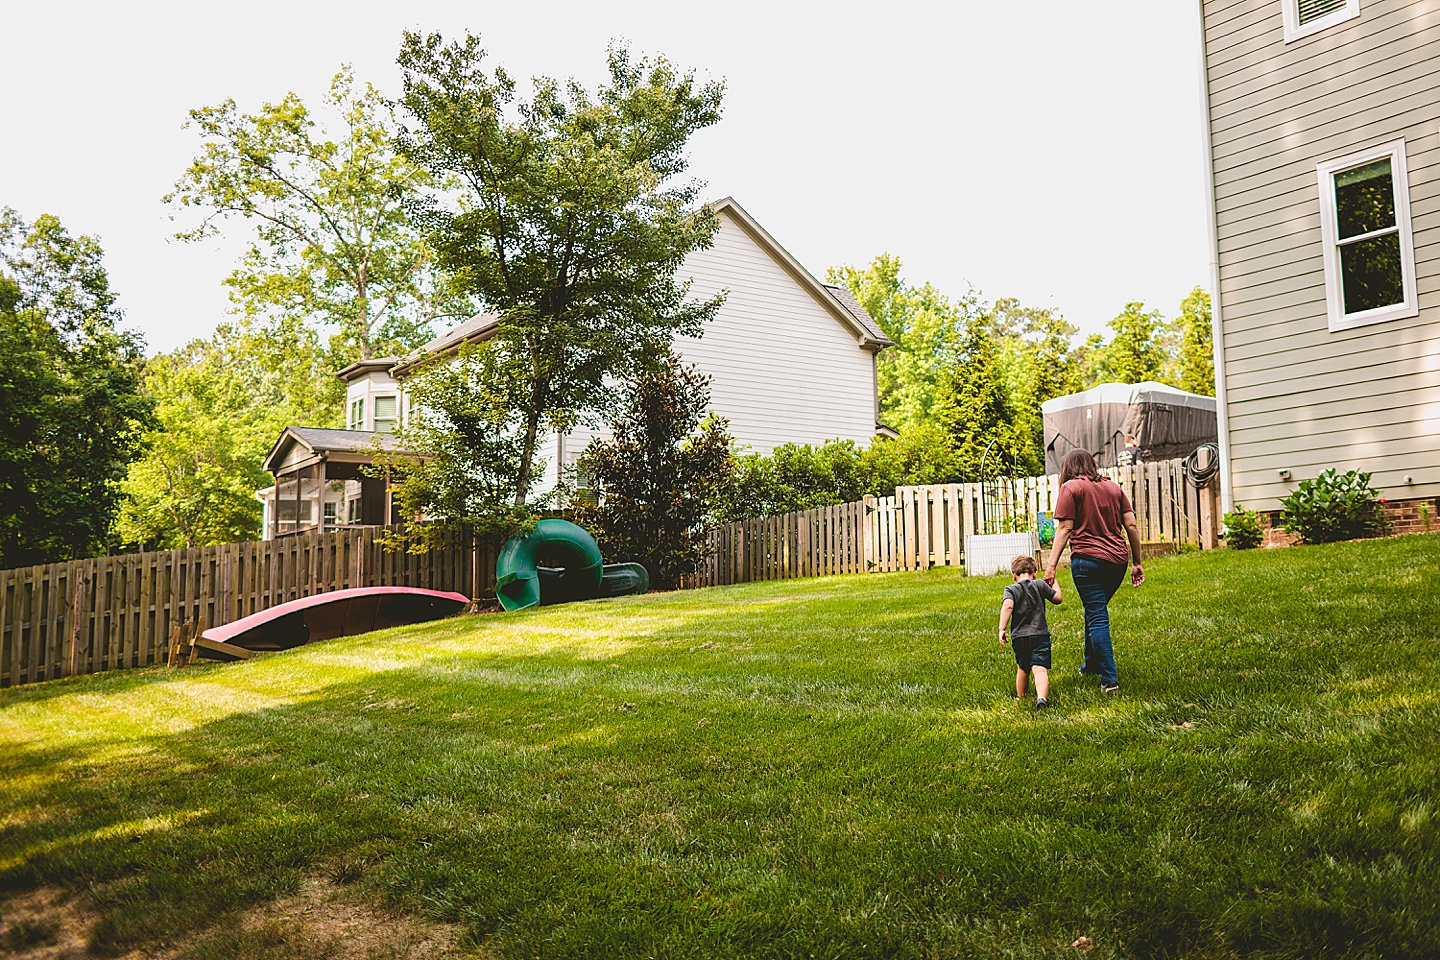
(539, 395)
(532, 429)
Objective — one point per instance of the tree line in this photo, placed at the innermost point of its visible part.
(372, 222)
(964, 377)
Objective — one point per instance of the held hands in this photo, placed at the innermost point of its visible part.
(1137, 576)
(1050, 576)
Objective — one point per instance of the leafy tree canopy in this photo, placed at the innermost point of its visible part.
(220, 403)
(1194, 366)
(1137, 350)
(567, 221)
(69, 389)
(332, 244)
(925, 326)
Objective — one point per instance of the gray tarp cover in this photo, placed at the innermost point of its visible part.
(1167, 422)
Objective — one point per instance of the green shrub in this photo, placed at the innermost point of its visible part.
(1242, 528)
(1334, 507)
(659, 481)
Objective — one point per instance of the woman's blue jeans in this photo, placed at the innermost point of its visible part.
(1096, 582)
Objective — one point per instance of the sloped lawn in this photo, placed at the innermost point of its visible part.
(809, 768)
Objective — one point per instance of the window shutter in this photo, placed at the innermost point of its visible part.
(1315, 9)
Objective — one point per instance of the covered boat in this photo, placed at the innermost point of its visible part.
(339, 613)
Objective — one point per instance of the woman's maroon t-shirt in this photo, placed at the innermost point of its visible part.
(1098, 508)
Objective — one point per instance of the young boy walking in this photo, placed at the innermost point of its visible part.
(1025, 606)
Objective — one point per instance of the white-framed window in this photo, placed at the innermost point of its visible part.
(1304, 17)
(1365, 226)
(357, 414)
(386, 410)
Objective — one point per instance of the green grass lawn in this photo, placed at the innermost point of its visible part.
(807, 768)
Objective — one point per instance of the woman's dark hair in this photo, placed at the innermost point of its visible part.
(1078, 463)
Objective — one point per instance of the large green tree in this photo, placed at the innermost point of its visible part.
(926, 327)
(1193, 367)
(569, 220)
(1038, 361)
(69, 389)
(326, 200)
(220, 403)
(1136, 351)
(976, 410)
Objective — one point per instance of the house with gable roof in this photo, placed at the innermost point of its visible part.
(1323, 150)
(791, 359)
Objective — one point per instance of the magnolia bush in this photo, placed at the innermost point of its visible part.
(1333, 507)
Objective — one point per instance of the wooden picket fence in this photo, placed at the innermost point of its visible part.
(925, 526)
(107, 613)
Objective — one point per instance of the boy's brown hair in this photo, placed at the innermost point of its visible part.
(1022, 565)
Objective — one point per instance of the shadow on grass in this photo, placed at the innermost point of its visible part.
(695, 776)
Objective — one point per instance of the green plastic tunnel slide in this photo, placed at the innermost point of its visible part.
(558, 562)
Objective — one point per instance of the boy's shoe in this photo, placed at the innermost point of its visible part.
(1042, 704)
(1109, 688)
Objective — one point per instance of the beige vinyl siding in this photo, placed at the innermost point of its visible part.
(1299, 397)
(783, 367)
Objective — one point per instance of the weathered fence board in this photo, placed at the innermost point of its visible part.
(107, 613)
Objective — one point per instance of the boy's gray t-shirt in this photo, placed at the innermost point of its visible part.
(1028, 617)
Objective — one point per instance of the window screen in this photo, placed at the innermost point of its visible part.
(1315, 9)
(1369, 237)
(385, 408)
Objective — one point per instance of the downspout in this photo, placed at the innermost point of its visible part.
(1217, 324)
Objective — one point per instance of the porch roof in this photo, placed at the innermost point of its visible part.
(300, 447)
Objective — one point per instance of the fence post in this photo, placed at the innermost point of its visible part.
(1210, 516)
(77, 605)
(867, 534)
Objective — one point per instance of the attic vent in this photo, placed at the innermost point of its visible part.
(1315, 9)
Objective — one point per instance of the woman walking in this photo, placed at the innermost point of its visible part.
(1095, 517)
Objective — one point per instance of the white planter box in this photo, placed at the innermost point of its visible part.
(992, 552)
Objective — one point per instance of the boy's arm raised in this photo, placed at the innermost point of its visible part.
(1057, 596)
(1005, 609)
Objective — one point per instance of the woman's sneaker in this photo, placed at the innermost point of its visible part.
(1109, 688)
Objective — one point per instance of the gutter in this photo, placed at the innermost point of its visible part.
(1217, 323)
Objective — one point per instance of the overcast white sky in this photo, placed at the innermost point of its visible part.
(1045, 150)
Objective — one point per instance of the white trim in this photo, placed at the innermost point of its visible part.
(1293, 29)
(1217, 325)
(1394, 151)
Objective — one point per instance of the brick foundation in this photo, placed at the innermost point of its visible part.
(1406, 516)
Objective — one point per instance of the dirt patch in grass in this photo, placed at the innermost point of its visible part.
(322, 922)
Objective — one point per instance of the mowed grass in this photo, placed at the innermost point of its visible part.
(810, 768)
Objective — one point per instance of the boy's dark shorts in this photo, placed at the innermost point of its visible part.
(1031, 652)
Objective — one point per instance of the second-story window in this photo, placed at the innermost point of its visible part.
(357, 414)
(1304, 17)
(1369, 250)
(385, 411)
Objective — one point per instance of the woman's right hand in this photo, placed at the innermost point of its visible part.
(1137, 576)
